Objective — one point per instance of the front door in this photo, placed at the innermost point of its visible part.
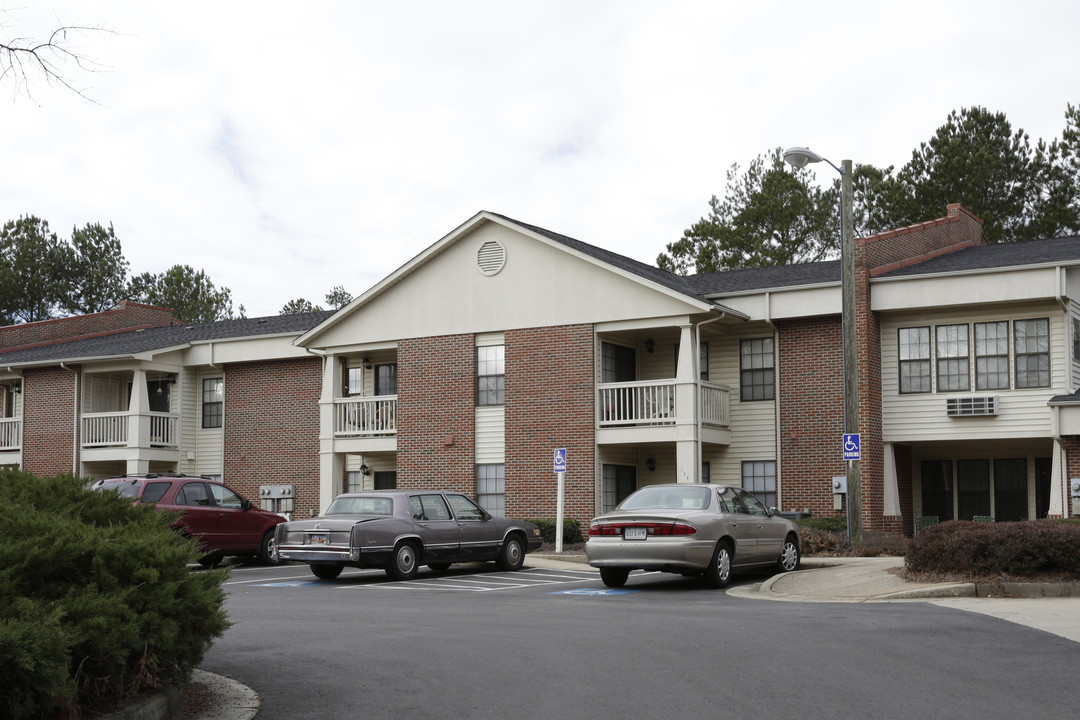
(479, 534)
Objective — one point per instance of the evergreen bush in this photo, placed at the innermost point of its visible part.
(1006, 549)
(96, 600)
(571, 530)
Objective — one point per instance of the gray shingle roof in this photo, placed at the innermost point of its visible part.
(138, 341)
(1000, 255)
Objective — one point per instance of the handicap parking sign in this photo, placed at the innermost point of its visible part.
(852, 451)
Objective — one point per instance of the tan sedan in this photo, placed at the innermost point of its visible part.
(691, 529)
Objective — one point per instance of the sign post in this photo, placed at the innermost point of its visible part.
(560, 471)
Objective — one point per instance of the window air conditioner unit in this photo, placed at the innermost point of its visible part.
(972, 406)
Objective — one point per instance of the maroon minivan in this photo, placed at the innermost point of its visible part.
(222, 521)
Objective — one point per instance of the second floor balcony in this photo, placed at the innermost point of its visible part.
(632, 407)
(365, 416)
(128, 429)
(10, 434)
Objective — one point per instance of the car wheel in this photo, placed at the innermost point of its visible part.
(439, 567)
(614, 577)
(324, 571)
(718, 574)
(403, 566)
(790, 556)
(268, 549)
(512, 555)
(210, 561)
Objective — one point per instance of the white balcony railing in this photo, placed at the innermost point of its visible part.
(365, 416)
(113, 429)
(10, 430)
(104, 429)
(653, 402)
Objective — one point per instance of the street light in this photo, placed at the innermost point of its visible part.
(798, 157)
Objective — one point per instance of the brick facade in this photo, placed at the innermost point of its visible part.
(272, 428)
(50, 409)
(550, 403)
(124, 317)
(436, 415)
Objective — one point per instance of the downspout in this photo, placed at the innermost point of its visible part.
(776, 395)
(697, 394)
(1055, 412)
(1067, 307)
(75, 422)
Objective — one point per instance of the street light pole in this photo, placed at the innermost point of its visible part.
(798, 157)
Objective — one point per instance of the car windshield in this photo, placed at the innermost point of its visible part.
(361, 506)
(666, 497)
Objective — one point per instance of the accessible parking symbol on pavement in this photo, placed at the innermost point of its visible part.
(593, 591)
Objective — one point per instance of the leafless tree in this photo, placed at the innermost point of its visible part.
(24, 60)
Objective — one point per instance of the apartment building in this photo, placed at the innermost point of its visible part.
(469, 365)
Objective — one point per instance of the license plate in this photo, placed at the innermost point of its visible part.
(633, 533)
(318, 538)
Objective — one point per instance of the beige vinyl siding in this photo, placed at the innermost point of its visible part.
(1074, 363)
(490, 435)
(210, 442)
(187, 383)
(753, 424)
(922, 417)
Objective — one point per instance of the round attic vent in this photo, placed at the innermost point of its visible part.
(491, 257)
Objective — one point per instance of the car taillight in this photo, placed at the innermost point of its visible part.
(597, 529)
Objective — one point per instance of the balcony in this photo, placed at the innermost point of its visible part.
(655, 410)
(10, 432)
(358, 417)
(113, 429)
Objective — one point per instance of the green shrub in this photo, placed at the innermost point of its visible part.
(96, 601)
(1007, 549)
(571, 530)
(836, 523)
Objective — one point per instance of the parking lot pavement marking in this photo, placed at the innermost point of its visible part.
(593, 591)
(484, 582)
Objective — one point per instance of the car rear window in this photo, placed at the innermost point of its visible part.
(667, 498)
(361, 506)
(123, 488)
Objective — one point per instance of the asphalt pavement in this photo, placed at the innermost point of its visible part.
(1050, 607)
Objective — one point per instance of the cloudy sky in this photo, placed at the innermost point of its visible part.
(288, 147)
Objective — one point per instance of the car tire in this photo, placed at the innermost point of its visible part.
(210, 561)
(512, 554)
(404, 564)
(439, 566)
(268, 549)
(790, 556)
(324, 571)
(614, 577)
(718, 574)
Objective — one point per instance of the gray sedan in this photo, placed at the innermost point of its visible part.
(698, 529)
(401, 530)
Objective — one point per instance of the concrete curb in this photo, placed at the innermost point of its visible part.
(220, 698)
(162, 705)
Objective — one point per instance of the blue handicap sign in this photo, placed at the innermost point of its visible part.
(560, 460)
(852, 450)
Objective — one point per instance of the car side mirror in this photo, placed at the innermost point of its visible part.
(774, 512)
(245, 504)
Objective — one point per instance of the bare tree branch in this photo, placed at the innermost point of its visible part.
(24, 60)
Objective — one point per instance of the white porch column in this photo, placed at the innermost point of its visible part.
(330, 462)
(688, 467)
(139, 413)
(891, 489)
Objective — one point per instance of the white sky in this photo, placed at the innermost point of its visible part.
(288, 147)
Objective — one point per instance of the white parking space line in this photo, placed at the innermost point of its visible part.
(483, 583)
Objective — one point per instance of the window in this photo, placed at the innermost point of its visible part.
(491, 488)
(386, 379)
(618, 363)
(193, 493)
(914, 353)
(759, 477)
(937, 489)
(385, 479)
(751, 504)
(213, 396)
(1010, 490)
(490, 377)
(992, 356)
(154, 491)
(226, 498)
(355, 385)
(429, 507)
(952, 358)
(973, 488)
(1032, 342)
(464, 508)
(706, 471)
(756, 378)
(1076, 339)
(354, 481)
(618, 482)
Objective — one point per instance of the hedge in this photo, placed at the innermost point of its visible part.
(571, 530)
(97, 603)
(1005, 549)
